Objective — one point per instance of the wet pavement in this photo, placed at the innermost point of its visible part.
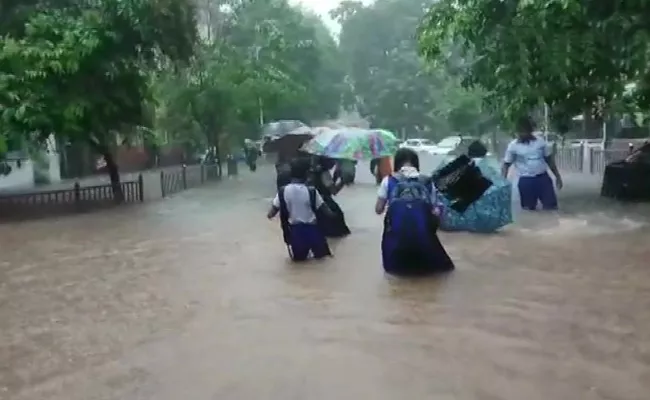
(193, 298)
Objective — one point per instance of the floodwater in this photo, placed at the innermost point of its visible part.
(193, 298)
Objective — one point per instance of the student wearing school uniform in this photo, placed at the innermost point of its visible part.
(297, 203)
(410, 244)
(532, 157)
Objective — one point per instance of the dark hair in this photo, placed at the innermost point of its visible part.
(406, 156)
(525, 125)
(476, 149)
(300, 169)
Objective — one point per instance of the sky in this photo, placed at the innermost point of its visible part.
(322, 8)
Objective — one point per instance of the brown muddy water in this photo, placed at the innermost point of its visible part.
(193, 298)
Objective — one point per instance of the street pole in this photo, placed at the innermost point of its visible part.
(546, 122)
(257, 50)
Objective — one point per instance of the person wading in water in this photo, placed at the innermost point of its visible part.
(532, 158)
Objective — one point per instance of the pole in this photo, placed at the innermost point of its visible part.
(546, 122)
(261, 106)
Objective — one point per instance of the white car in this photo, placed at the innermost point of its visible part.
(447, 145)
(419, 145)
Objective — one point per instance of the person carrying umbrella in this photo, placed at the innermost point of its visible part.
(380, 168)
(345, 170)
(333, 224)
(344, 144)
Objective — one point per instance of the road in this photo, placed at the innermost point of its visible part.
(193, 298)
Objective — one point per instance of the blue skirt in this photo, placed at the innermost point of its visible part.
(430, 258)
(305, 239)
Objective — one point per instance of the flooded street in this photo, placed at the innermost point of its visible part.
(193, 298)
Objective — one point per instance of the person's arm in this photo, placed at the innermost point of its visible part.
(435, 201)
(336, 188)
(549, 157)
(508, 159)
(382, 197)
(275, 207)
(321, 206)
(328, 182)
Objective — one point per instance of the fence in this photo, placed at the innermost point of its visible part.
(80, 198)
(583, 159)
(570, 158)
(187, 177)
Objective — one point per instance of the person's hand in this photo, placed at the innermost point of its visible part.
(558, 183)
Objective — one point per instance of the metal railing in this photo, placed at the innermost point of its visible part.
(62, 201)
(570, 158)
(576, 159)
(79, 198)
(187, 177)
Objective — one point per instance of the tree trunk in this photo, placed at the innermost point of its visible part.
(114, 174)
(217, 151)
(112, 169)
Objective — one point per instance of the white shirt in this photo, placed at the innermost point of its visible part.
(409, 172)
(528, 158)
(296, 195)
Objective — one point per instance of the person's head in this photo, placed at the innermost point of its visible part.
(476, 149)
(300, 169)
(406, 157)
(525, 128)
(326, 163)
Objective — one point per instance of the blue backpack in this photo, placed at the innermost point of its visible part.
(408, 217)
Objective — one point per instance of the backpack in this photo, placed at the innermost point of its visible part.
(408, 217)
(284, 211)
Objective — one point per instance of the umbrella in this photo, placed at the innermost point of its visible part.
(290, 141)
(352, 144)
(492, 211)
(277, 129)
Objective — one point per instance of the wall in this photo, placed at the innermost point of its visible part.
(19, 177)
(54, 171)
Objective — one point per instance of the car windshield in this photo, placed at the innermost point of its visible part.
(449, 142)
(413, 142)
(426, 142)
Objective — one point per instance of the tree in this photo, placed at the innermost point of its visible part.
(83, 72)
(392, 86)
(259, 59)
(576, 56)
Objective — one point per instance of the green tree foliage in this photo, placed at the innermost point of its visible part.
(575, 55)
(259, 59)
(81, 72)
(390, 83)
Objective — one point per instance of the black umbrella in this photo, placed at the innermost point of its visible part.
(289, 141)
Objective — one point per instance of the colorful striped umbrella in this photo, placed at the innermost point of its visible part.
(353, 144)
